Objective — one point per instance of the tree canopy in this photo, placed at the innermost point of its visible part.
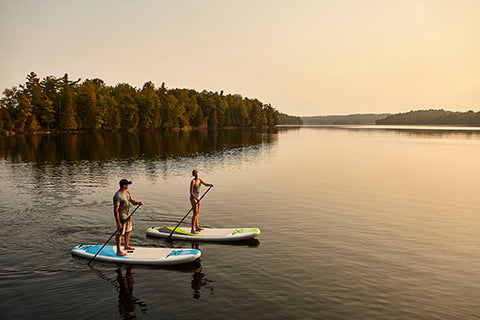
(433, 117)
(62, 104)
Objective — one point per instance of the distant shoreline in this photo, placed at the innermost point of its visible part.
(419, 117)
(379, 127)
(353, 119)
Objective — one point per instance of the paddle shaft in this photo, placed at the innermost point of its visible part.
(112, 236)
(203, 195)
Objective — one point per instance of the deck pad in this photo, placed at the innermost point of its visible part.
(141, 255)
(207, 234)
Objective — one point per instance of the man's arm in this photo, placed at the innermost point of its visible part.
(135, 202)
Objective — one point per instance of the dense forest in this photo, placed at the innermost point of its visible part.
(285, 119)
(60, 104)
(433, 117)
(357, 119)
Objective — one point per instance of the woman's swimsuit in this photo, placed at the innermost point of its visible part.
(196, 190)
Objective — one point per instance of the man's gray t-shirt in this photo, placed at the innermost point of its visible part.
(122, 199)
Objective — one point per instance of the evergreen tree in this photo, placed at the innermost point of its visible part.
(67, 108)
(89, 115)
(149, 107)
(67, 105)
(125, 95)
(112, 114)
(41, 104)
(24, 112)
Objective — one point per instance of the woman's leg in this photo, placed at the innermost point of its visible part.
(197, 226)
(194, 216)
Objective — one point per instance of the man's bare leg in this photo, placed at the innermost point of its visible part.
(118, 240)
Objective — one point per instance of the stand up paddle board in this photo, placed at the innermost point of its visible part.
(207, 234)
(141, 255)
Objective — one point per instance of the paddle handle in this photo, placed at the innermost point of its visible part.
(203, 195)
(112, 236)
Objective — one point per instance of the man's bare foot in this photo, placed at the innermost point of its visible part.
(194, 232)
(129, 248)
(121, 253)
(199, 229)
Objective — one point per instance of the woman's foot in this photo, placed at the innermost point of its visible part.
(194, 232)
(129, 248)
(121, 253)
(199, 229)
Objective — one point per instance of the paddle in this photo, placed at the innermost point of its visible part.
(112, 236)
(169, 238)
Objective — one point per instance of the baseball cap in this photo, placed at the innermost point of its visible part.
(124, 182)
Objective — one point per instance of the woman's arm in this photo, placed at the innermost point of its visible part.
(206, 184)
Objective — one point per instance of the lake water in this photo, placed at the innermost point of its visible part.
(357, 223)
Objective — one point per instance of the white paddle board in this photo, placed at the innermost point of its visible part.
(141, 255)
(207, 234)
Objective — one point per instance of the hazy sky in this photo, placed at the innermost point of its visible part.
(303, 57)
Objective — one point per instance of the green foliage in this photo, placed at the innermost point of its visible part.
(355, 119)
(285, 119)
(433, 117)
(62, 104)
(125, 94)
(149, 107)
(67, 108)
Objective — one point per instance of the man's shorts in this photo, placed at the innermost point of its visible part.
(126, 227)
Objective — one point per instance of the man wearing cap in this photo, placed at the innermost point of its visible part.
(121, 209)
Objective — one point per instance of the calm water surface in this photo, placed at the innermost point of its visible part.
(357, 223)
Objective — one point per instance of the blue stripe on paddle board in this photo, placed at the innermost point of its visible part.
(106, 252)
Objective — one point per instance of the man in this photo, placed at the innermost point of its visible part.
(121, 209)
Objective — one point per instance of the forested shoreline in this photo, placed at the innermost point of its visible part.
(432, 117)
(61, 104)
(350, 119)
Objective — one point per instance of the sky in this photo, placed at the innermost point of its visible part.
(303, 57)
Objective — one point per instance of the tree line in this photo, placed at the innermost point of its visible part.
(285, 119)
(351, 119)
(433, 117)
(63, 104)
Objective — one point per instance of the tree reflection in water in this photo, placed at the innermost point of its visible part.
(150, 145)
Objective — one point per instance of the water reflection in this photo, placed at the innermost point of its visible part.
(126, 301)
(198, 278)
(411, 131)
(151, 145)
(65, 162)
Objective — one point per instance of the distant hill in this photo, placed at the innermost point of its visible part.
(285, 119)
(364, 119)
(432, 117)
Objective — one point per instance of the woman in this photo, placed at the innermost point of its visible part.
(195, 199)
